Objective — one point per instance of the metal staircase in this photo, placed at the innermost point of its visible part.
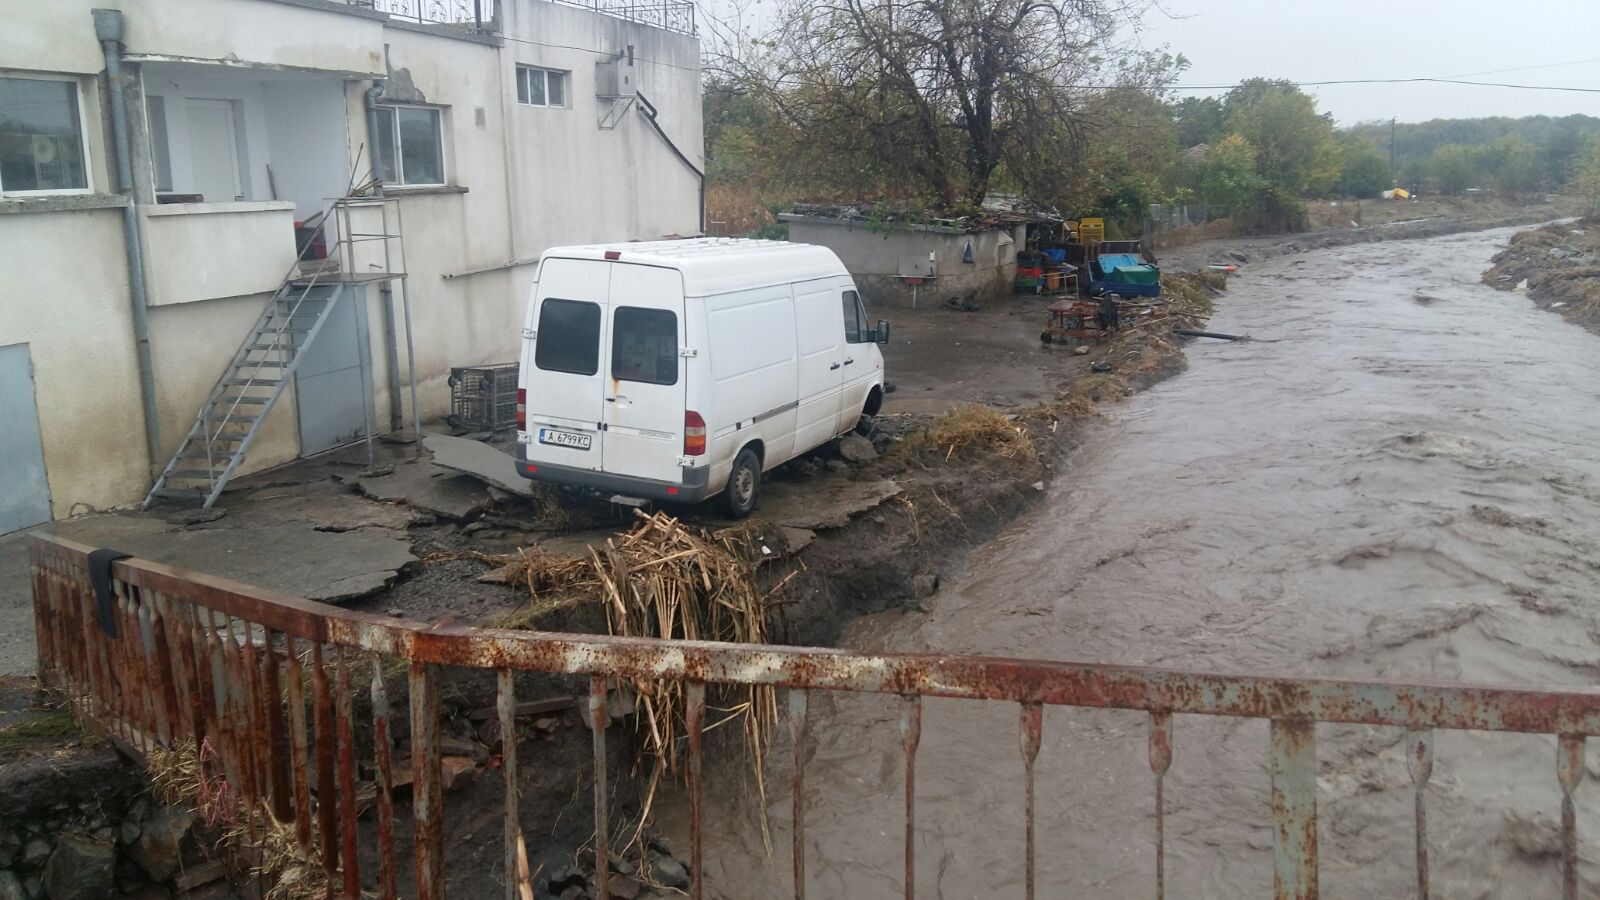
(367, 250)
(232, 415)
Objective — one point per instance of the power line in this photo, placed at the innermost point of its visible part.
(1522, 87)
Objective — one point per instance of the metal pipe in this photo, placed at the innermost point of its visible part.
(391, 361)
(108, 29)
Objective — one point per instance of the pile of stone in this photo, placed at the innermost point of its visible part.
(85, 851)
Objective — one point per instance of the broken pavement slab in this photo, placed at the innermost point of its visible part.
(423, 486)
(481, 461)
(822, 503)
(292, 557)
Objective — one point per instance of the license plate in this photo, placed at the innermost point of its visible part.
(564, 438)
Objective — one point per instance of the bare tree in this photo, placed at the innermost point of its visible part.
(936, 97)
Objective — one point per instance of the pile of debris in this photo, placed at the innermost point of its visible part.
(1557, 266)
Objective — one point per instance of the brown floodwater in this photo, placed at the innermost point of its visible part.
(1398, 479)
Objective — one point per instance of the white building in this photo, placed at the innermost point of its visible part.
(502, 127)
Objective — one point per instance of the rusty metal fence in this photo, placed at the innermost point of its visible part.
(176, 656)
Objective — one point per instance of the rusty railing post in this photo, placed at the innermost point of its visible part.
(1160, 753)
(385, 779)
(910, 736)
(1032, 727)
(427, 803)
(1569, 771)
(798, 732)
(519, 883)
(1294, 809)
(695, 718)
(1419, 762)
(599, 718)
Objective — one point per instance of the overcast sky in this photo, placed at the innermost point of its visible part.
(1323, 40)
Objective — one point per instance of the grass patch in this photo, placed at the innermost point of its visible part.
(55, 726)
(973, 425)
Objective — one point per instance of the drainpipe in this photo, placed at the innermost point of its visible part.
(108, 29)
(391, 359)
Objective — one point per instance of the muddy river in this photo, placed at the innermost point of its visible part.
(1397, 479)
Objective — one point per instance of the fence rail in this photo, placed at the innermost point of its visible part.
(174, 656)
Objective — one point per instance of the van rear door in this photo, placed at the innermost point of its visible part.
(645, 376)
(562, 373)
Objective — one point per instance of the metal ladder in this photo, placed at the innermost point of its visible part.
(232, 415)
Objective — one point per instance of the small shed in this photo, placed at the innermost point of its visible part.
(897, 260)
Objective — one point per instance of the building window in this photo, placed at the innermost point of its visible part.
(541, 87)
(42, 147)
(410, 142)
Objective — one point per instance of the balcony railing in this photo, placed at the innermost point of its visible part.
(479, 15)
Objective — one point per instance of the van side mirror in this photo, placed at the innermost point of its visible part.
(881, 336)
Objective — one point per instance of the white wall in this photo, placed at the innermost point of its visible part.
(522, 180)
(307, 138)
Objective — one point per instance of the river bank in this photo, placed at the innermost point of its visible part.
(1557, 267)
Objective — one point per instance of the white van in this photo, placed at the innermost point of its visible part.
(681, 370)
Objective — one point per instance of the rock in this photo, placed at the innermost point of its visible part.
(1038, 485)
(10, 887)
(35, 853)
(567, 878)
(10, 849)
(1237, 256)
(195, 516)
(857, 449)
(159, 849)
(80, 869)
(837, 465)
(450, 745)
(456, 772)
(378, 471)
(105, 835)
(619, 864)
(33, 886)
(1081, 350)
(625, 888)
(668, 872)
(1101, 367)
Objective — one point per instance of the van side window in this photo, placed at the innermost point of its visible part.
(855, 320)
(568, 337)
(644, 345)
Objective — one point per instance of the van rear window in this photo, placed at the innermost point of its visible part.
(644, 345)
(569, 337)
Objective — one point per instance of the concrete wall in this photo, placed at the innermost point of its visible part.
(520, 179)
(873, 259)
(193, 249)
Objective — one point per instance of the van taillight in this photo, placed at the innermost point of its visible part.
(694, 434)
(522, 409)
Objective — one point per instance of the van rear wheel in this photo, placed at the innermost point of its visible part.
(744, 485)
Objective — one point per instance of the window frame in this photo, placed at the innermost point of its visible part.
(523, 71)
(599, 336)
(83, 135)
(616, 335)
(399, 151)
(864, 335)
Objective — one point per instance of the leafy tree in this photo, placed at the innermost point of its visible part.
(1295, 150)
(1585, 180)
(1230, 182)
(1364, 172)
(1517, 166)
(1199, 120)
(1453, 168)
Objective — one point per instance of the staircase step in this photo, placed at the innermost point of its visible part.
(242, 401)
(254, 382)
(263, 364)
(194, 474)
(281, 348)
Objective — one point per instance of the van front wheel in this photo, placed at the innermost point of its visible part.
(744, 485)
